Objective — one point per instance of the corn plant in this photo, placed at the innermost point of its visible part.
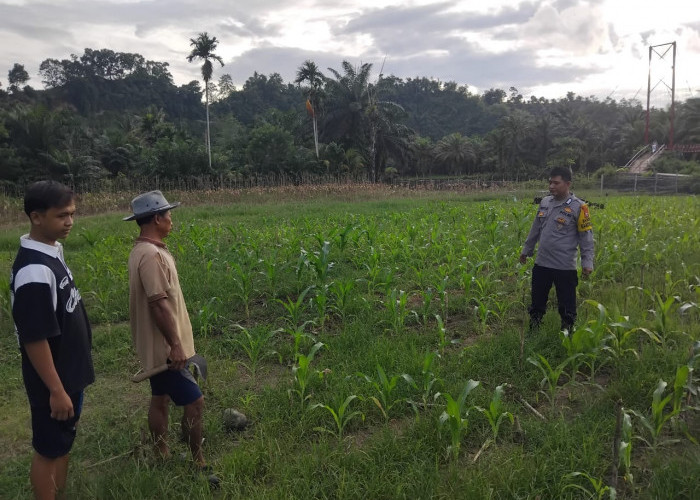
(320, 262)
(621, 334)
(427, 300)
(397, 306)
(443, 340)
(303, 374)
(341, 416)
(455, 417)
(320, 302)
(495, 412)
(597, 489)
(625, 447)
(588, 341)
(342, 291)
(428, 381)
(255, 344)
(551, 375)
(294, 325)
(384, 387)
(271, 271)
(206, 317)
(243, 286)
(441, 291)
(654, 423)
(482, 312)
(344, 237)
(662, 312)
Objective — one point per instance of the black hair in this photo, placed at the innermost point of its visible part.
(563, 172)
(42, 195)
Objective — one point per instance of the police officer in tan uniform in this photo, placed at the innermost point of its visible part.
(562, 226)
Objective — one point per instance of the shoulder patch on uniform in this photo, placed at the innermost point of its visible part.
(584, 219)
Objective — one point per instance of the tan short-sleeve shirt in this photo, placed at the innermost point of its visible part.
(153, 276)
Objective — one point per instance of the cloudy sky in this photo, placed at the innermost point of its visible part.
(542, 47)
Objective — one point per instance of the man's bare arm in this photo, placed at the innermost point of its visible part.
(165, 320)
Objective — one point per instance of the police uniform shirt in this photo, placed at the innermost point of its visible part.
(561, 227)
(46, 305)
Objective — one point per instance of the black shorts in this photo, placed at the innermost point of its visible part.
(53, 438)
(179, 385)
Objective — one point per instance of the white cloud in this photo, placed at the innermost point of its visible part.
(543, 47)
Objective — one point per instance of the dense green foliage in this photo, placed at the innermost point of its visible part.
(378, 348)
(107, 114)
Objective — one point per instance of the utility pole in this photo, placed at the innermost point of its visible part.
(661, 51)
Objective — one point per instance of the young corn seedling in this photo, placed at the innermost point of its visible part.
(320, 302)
(321, 263)
(342, 292)
(443, 341)
(344, 237)
(625, 448)
(243, 286)
(255, 345)
(428, 381)
(427, 299)
(619, 341)
(655, 423)
(662, 314)
(397, 307)
(495, 412)
(443, 295)
(341, 416)
(271, 271)
(455, 417)
(551, 375)
(206, 318)
(294, 325)
(384, 386)
(597, 489)
(303, 374)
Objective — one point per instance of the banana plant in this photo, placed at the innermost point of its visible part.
(455, 417)
(341, 416)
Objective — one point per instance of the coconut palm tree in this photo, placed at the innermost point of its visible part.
(309, 73)
(359, 118)
(203, 49)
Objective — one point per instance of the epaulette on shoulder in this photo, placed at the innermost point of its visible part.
(538, 199)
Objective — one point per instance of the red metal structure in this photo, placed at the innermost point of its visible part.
(662, 51)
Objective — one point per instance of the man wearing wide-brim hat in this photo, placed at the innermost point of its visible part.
(161, 328)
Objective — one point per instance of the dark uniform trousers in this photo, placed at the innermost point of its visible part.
(565, 282)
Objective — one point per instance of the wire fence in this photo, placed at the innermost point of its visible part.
(650, 183)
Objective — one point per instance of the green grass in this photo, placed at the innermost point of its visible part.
(395, 242)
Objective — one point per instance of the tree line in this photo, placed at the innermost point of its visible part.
(104, 115)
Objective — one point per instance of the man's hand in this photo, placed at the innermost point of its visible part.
(61, 405)
(523, 258)
(586, 272)
(177, 357)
